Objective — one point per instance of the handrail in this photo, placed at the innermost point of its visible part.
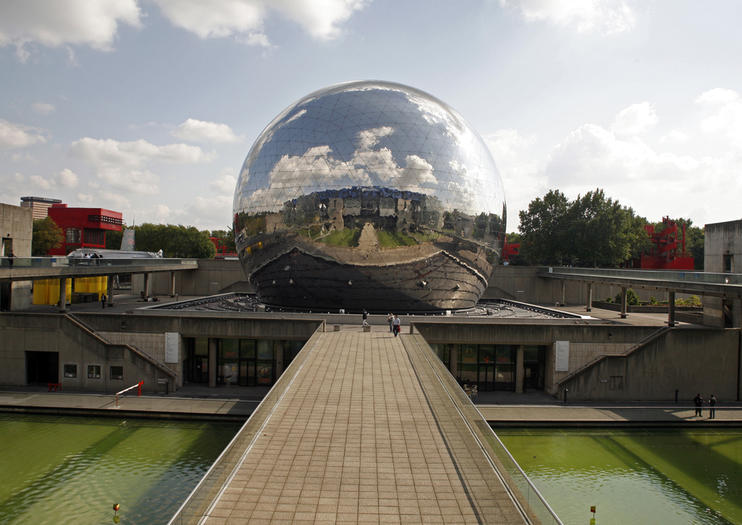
(461, 403)
(139, 392)
(636, 346)
(202, 496)
(91, 332)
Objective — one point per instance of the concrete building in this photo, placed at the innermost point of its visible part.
(16, 230)
(596, 359)
(722, 251)
(39, 205)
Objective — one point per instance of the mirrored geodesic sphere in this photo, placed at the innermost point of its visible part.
(369, 195)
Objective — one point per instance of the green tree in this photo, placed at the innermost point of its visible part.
(113, 239)
(46, 236)
(543, 229)
(592, 230)
(174, 241)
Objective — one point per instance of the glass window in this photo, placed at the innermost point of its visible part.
(117, 372)
(486, 353)
(202, 347)
(504, 354)
(229, 348)
(93, 371)
(72, 236)
(70, 370)
(247, 349)
(468, 354)
(96, 237)
(265, 350)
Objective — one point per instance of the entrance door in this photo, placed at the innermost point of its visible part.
(42, 367)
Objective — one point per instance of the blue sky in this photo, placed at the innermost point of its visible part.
(149, 107)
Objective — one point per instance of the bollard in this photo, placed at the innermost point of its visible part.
(565, 395)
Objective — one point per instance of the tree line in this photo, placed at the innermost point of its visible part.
(176, 241)
(590, 231)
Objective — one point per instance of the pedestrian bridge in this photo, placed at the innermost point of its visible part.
(365, 427)
(34, 268)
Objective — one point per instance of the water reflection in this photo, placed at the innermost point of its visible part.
(661, 476)
(64, 470)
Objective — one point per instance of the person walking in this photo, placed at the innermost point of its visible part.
(390, 320)
(698, 400)
(103, 301)
(365, 318)
(397, 325)
(712, 407)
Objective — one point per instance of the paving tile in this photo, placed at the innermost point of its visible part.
(354, 441)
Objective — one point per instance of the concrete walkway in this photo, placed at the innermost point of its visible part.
(353, 440)
(582, 415)
(129, 405)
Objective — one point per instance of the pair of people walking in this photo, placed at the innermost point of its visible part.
(698, 401)
(394, 324)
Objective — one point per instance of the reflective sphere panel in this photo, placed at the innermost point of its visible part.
(369, 175)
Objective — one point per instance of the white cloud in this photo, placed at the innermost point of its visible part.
(43, 108)
(586, 16)
(193, 130)
(245, 18)
(62, 22)
(86, 198)
(14, 136)
(68, 178)
(635, 120)
(225, 182)
(722, 115)
(111, 153)
(520, 162)
(40, 182)
(674, 136)
(320, 18)
(125, 165)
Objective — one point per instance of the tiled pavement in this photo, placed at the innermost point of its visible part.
(354, 441)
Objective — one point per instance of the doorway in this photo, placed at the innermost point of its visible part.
(42, 368)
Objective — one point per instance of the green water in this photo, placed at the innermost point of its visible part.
(73, 469)
(669, 476)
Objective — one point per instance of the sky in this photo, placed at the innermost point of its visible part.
(149, 107)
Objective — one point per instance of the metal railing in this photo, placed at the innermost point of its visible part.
(688, 276)
(198, 503)
(65, 262)
(522, 488)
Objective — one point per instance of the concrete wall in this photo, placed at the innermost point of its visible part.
(720, 240)
(56, 333)
(213, 276)
(16, 223)
(690, 360)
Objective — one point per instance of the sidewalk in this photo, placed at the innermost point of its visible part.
(602, 415)
(129, 405)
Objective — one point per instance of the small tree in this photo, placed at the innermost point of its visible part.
(46, 236)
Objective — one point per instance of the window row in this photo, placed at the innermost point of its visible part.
(94, 371)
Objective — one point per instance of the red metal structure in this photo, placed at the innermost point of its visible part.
(509, 251)
(83, 227)
(668, 250)
(222, 251)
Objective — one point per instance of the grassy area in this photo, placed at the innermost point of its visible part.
(394, 239)
(346, 237)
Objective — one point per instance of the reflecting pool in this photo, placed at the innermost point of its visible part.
(634, 476)
(73, 469)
